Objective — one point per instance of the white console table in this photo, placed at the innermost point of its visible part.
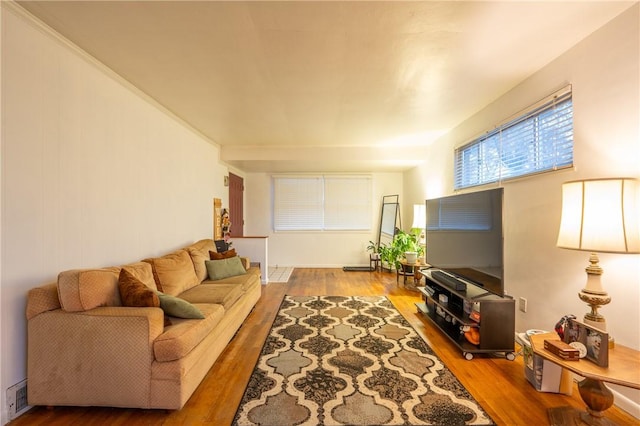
(257, 250)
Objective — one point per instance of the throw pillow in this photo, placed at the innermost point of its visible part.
(178, 308)
(225, 268)
(134, 292)
(214, 255)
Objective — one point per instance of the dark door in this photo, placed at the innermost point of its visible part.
(236, 213)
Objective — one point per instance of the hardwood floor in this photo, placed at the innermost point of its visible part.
(497, 384)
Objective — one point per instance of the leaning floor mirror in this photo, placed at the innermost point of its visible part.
(389, 219)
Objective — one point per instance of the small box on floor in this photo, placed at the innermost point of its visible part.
(544, 376)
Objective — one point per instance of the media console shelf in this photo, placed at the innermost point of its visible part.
(496, 322)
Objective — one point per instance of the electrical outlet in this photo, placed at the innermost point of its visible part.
(522, 304)
(17, 399)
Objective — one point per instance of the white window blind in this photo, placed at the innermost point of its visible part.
(347, 203)
(315, 203)
(298, 203)
(540, 139)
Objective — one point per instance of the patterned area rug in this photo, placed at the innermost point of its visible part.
(333, 360)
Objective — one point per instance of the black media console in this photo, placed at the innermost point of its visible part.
(451, 304)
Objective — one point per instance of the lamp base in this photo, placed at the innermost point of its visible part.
(594, 295)
(594, 318)
(600, 325)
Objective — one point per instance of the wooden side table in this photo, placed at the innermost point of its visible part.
(409, 269)
(624, 370)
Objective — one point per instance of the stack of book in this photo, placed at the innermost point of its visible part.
(562, 349)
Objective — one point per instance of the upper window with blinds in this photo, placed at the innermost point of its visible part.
(538, 140)
(322, 203)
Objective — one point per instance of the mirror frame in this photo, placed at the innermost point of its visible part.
(389, 218)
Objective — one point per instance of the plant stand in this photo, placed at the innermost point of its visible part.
(374, 262)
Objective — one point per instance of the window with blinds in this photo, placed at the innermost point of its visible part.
(322, 203)
(539, 140)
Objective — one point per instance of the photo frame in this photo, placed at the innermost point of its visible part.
(595, 341)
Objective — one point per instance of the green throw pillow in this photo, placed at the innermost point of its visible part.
(224, 268)
(178, 308)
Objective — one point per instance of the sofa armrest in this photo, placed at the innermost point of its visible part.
(42, 299)
(246, 262)
(98, 357)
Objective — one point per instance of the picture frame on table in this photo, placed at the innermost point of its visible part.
(594, 340)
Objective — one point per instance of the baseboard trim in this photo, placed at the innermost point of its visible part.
(626, 404)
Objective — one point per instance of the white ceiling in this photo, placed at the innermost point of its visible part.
(329, 85)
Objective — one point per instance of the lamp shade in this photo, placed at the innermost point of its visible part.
(419, 216)
(600, 215)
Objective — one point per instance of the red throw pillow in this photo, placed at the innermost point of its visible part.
(133, 292)
(224, 255)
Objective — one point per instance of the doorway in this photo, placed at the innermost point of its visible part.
(236, 205)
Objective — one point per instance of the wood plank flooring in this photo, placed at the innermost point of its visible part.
(497, 384)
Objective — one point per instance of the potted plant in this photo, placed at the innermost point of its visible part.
(387, 255)
(407, 245)
(374, 250)
(404, 244)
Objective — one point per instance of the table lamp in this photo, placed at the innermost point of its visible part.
(599, 215)
(420, 219)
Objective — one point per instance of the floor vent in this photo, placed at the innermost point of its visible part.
(17, 399)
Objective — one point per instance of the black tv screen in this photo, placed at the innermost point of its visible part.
(464, 237)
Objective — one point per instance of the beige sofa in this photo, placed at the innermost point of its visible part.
(86, 349)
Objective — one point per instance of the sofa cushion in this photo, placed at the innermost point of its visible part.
(199, 252)
(222, 294)
(178, 308)
(224, 268)
(134, 292)
(246, 281)
(84, 289)
(214, 255)
(173, 273)
(185, 334)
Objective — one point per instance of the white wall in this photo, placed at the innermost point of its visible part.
(313, 249)
(604, 70)
(93, 175)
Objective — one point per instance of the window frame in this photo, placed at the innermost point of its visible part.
(499, 154)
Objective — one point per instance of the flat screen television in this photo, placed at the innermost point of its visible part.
(464, 237)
